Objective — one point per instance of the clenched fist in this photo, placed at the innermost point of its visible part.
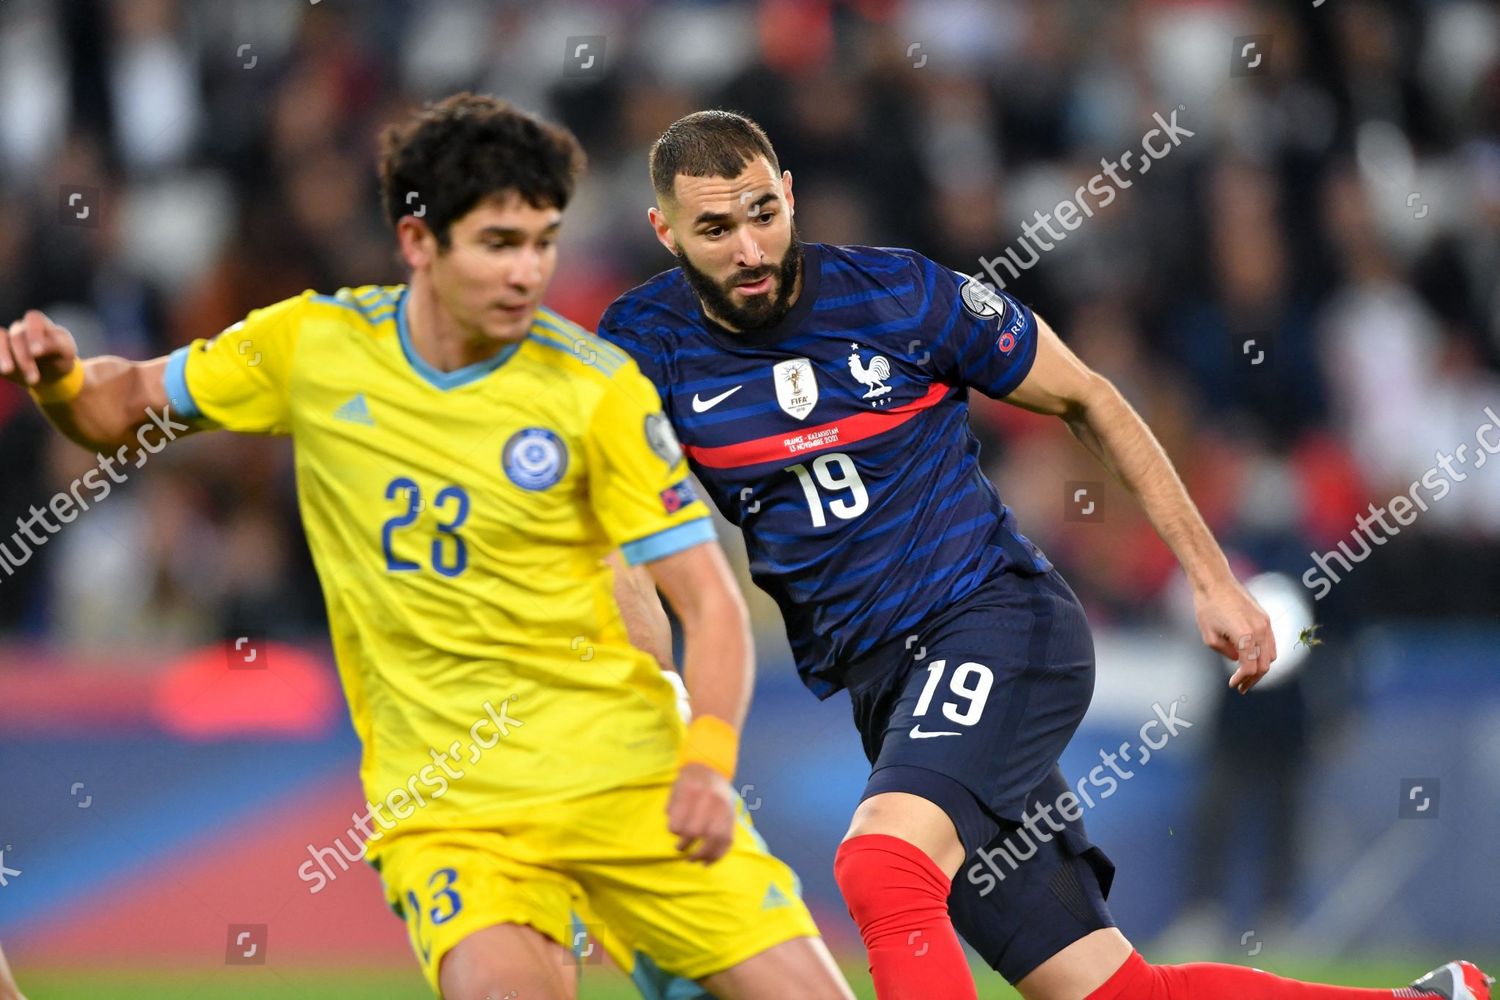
(36, 350)
(701, 813)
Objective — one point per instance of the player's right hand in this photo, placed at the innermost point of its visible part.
(36, 350)
(701, 813)
(1234, 625)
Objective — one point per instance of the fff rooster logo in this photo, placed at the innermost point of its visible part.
(873, 376)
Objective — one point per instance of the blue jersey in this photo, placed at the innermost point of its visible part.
(839, 440)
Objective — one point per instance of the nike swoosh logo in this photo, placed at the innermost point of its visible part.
(917, 734)
(704, 405)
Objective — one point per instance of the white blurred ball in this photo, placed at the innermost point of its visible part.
(1286, 602)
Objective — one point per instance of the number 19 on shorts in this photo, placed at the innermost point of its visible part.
(969, 685)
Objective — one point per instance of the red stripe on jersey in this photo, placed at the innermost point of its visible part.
(778, 447)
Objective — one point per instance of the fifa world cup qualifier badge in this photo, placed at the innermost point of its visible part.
(535, 458)
(662, 439)
(983, 302)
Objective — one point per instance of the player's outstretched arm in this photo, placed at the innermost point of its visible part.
(99, 403)
(718, 661)
(1061, 385)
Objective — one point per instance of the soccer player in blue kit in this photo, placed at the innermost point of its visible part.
(820, 394)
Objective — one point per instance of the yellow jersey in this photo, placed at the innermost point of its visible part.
(458, 522)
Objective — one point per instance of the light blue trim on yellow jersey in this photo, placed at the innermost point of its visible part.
(179, 396)
(557, 323)
(383, 306)
(574, 347)
(554, 331)
(669, 542)
(441, 379)
(377, 305)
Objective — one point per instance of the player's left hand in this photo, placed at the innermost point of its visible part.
(701, 813)
(1235, 625)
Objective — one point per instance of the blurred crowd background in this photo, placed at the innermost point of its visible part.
(1338, 204)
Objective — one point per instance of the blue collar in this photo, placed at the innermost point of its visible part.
(440, 379)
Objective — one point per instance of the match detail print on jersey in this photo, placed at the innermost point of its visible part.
(777, 447)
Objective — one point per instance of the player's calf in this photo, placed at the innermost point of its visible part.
(508, 960)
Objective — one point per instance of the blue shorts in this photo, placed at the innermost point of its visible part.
(972, 713)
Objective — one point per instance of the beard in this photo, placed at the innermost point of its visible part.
(758, 312)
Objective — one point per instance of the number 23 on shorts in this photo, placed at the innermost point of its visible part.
(446, 904)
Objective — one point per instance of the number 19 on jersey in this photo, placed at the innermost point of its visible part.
(834, 473)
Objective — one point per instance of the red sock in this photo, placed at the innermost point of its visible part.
(899, 899)
(1136, 980)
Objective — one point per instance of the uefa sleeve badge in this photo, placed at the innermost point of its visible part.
(662, 439)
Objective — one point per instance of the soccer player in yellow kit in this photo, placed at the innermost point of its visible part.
(466, 459)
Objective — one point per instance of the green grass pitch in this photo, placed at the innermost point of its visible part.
(268, 983)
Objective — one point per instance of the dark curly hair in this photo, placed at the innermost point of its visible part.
(707, 144)
(466, 148)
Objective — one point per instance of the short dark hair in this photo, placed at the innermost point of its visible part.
(466, 148)
(707, 144)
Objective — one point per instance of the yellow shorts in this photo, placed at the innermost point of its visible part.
(610, 857)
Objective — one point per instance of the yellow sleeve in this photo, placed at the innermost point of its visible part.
(638, 478)
(239, 380)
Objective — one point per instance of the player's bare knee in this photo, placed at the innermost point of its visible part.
(509, 986)
(508, 962)
(1079, 969)
(799, 969)
(826, 989)
(804, 983)
(911, 818)
(817, 971)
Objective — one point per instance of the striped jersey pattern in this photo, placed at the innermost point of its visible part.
(839, 440)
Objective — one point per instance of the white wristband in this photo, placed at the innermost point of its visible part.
(684, 706)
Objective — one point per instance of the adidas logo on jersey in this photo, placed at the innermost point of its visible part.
(774, 898)
(356, 411)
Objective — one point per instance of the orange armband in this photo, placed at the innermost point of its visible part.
(712, 742)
